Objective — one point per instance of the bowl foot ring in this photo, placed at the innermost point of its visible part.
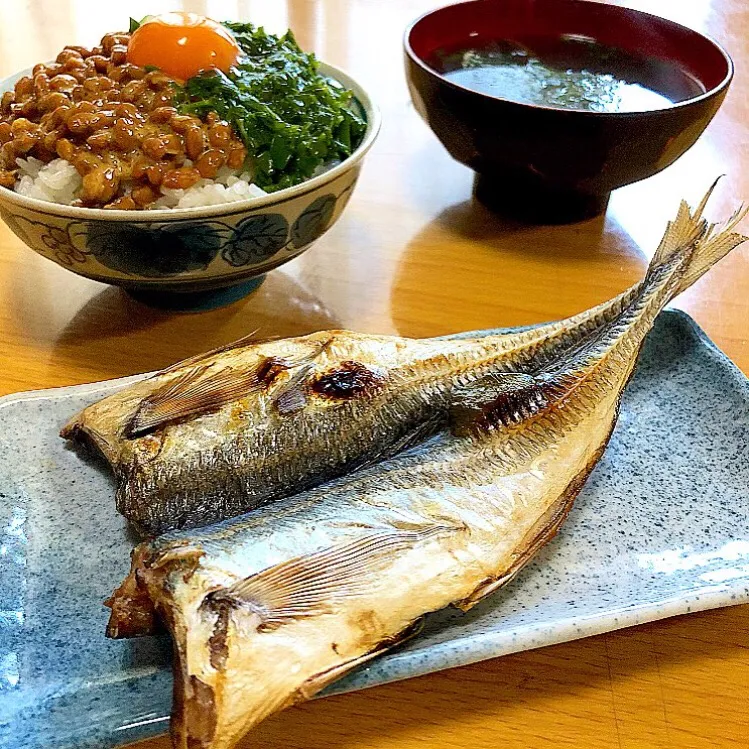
(533, 203)
(195, 301)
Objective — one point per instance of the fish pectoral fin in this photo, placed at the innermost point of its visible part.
(206, 355)
(202, 388)
(195, 391)
(318, 682)
(314, 584)
(495, 400)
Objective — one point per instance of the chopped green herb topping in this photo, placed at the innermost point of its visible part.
(291, 118)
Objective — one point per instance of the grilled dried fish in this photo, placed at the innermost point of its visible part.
(218, 435)
(223, 433)
(267, 609)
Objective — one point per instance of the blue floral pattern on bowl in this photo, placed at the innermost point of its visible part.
(249, 244)
(157, 251)
(55, 239)
(313, 220)
(256, 239)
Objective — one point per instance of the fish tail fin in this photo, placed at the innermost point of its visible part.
(701, 243)
(689, 248)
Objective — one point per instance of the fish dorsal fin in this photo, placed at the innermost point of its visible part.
(204, 356)
(498, 399)
(314, 584)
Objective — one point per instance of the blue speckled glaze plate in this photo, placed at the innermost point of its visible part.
(661, 528)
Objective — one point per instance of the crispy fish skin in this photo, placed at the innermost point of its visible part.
(322, 405)
(267, 610)
(218, 435)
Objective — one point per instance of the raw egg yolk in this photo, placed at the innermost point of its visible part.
(182, 44)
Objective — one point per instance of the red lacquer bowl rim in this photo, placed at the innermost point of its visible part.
(710, 93)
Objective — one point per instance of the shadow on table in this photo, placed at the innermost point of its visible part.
(114, 335)
(470, 268)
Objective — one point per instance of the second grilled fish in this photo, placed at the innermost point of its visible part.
(220, 434)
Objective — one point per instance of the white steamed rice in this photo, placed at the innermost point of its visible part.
(59, 182)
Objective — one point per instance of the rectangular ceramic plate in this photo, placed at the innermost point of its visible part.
(661, 528)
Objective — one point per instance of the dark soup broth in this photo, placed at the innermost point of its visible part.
(569, 72)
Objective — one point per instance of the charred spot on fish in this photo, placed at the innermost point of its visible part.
(218, 645)
(149, 447)
(221, 602)
(265, 627)
(133, 612)
(334, 647)
(269, 369)
(367, 622)
(349, 380)
(496, 400)
(199, 714)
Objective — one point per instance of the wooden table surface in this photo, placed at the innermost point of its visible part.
(414, 255)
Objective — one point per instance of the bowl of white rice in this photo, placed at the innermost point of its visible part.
(219, 234)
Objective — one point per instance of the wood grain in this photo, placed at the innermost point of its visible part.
(415, 255)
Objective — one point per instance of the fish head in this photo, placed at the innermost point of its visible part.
(233, 669)
(250, 639)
